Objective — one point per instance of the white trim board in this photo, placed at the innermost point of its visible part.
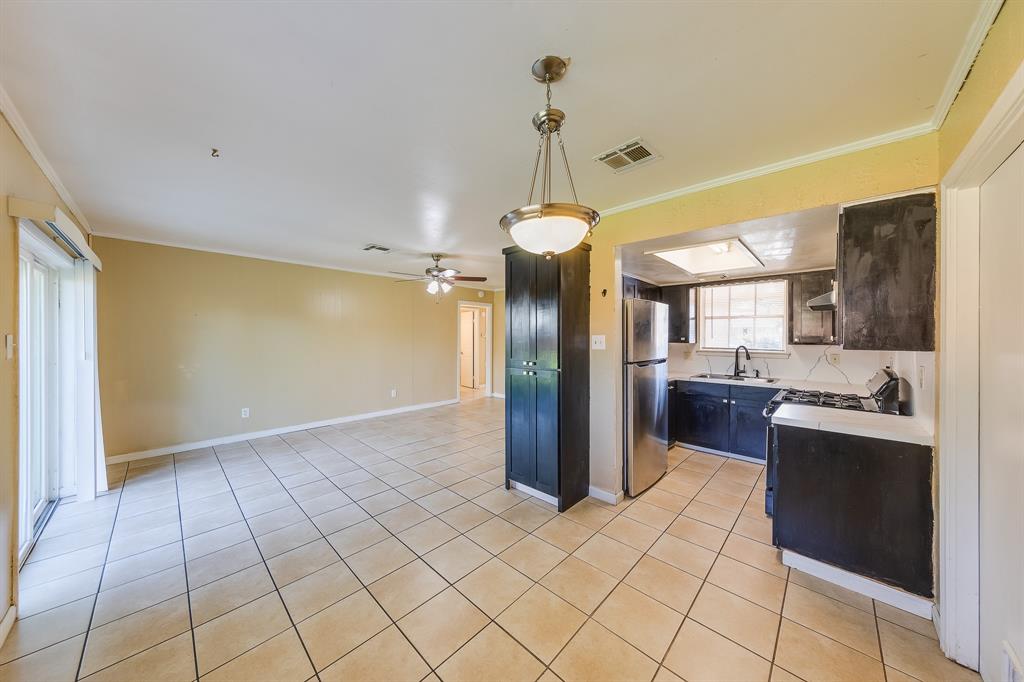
(550, 499)
(605, 496)
(911, 603)
(8, 622)
(958, 372)
(35, 151)
(234, 438)
(498, 395)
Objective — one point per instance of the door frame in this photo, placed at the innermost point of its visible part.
(489, 343)
(957, 610)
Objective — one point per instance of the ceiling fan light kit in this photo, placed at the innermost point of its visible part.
(548, 227)
(439, 280)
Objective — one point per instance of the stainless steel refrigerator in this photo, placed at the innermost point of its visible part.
(645, 394)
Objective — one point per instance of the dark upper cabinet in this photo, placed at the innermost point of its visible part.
(547, 372)
(808, 326)
(887, 256)
(637, 288)
(682, 312)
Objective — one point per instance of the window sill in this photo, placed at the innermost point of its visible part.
(754, 353)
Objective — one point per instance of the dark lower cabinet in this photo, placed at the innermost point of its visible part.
(862, 504)
(704, 422)
(722, 417)
(547, 373)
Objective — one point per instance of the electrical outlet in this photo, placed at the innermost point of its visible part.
(834, 357)
(394, 393)
(597, 342)
(890, 360)
(245, 413)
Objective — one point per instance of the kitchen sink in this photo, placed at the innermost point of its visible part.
(730, 377)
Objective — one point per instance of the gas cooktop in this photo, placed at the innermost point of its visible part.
(843, 401)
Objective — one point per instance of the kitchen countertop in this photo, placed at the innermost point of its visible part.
(832, 387)
(870, 424)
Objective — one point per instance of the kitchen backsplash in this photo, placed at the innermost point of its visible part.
(808, 363)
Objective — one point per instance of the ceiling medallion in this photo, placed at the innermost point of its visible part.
(549, 227)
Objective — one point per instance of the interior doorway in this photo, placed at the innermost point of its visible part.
(474, 350)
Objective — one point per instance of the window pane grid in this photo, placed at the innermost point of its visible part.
(752, 315)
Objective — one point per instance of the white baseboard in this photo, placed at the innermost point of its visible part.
(534, 493)
(911, 603)
(234, 438)
(7, 623)
(498, 395)
(605, 496)
(710, 451)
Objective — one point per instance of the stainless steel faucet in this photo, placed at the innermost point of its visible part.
(736, 371)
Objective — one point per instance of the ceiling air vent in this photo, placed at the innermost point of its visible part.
(376, 247)
(628, 156)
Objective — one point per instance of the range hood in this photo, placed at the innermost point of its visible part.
(826, 301)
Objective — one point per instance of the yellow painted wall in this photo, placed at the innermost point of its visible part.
(1001, 55)
(498, 344)
(188, 338)
(19, 177)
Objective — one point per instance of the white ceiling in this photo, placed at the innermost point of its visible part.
(792, 242)
(342, 123)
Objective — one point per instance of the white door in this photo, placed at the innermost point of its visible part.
(467, 346)
(37, 362)
(1001, 432)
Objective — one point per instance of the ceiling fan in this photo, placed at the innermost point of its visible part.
(439, 280)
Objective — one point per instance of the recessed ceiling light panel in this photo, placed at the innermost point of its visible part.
(720, 256)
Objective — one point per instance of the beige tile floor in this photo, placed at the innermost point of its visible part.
(389, 550)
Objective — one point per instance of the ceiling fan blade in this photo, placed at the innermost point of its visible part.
(405, 274)
(463, 278)
(418, 279)
(449, 273)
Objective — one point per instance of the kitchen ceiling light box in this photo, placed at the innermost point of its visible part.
(721, 256)
(548, 228)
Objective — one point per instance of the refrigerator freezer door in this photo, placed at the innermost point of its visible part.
(646, 425)
(646, 330)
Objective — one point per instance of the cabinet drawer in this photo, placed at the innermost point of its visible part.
(700, 388)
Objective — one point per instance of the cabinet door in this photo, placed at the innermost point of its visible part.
(678, 299)
(521, 422)
(546, 292)
(887, 280)
(748, 428)
(520, 309)
(651, 292)
(810, 326)
(547, 420)
(705, 422)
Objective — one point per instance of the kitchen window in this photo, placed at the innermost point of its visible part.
(750, 314)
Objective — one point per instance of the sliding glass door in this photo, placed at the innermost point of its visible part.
(38, 404)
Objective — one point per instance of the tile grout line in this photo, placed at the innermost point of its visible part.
(184, 566)
(342, 560)
(277, 590)
(99, 584)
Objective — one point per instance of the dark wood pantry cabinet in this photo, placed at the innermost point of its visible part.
(682, 312)
(547, 373)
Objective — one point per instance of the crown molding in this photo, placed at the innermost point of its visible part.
(859, 145)
(25, 135)
(987, 14)
(271, 259)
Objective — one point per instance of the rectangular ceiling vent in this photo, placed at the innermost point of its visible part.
(628, 156)
(376, 247)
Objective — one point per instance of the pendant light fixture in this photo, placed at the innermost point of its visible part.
(549, 227)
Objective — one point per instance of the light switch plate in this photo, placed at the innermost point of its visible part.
(597, 342)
